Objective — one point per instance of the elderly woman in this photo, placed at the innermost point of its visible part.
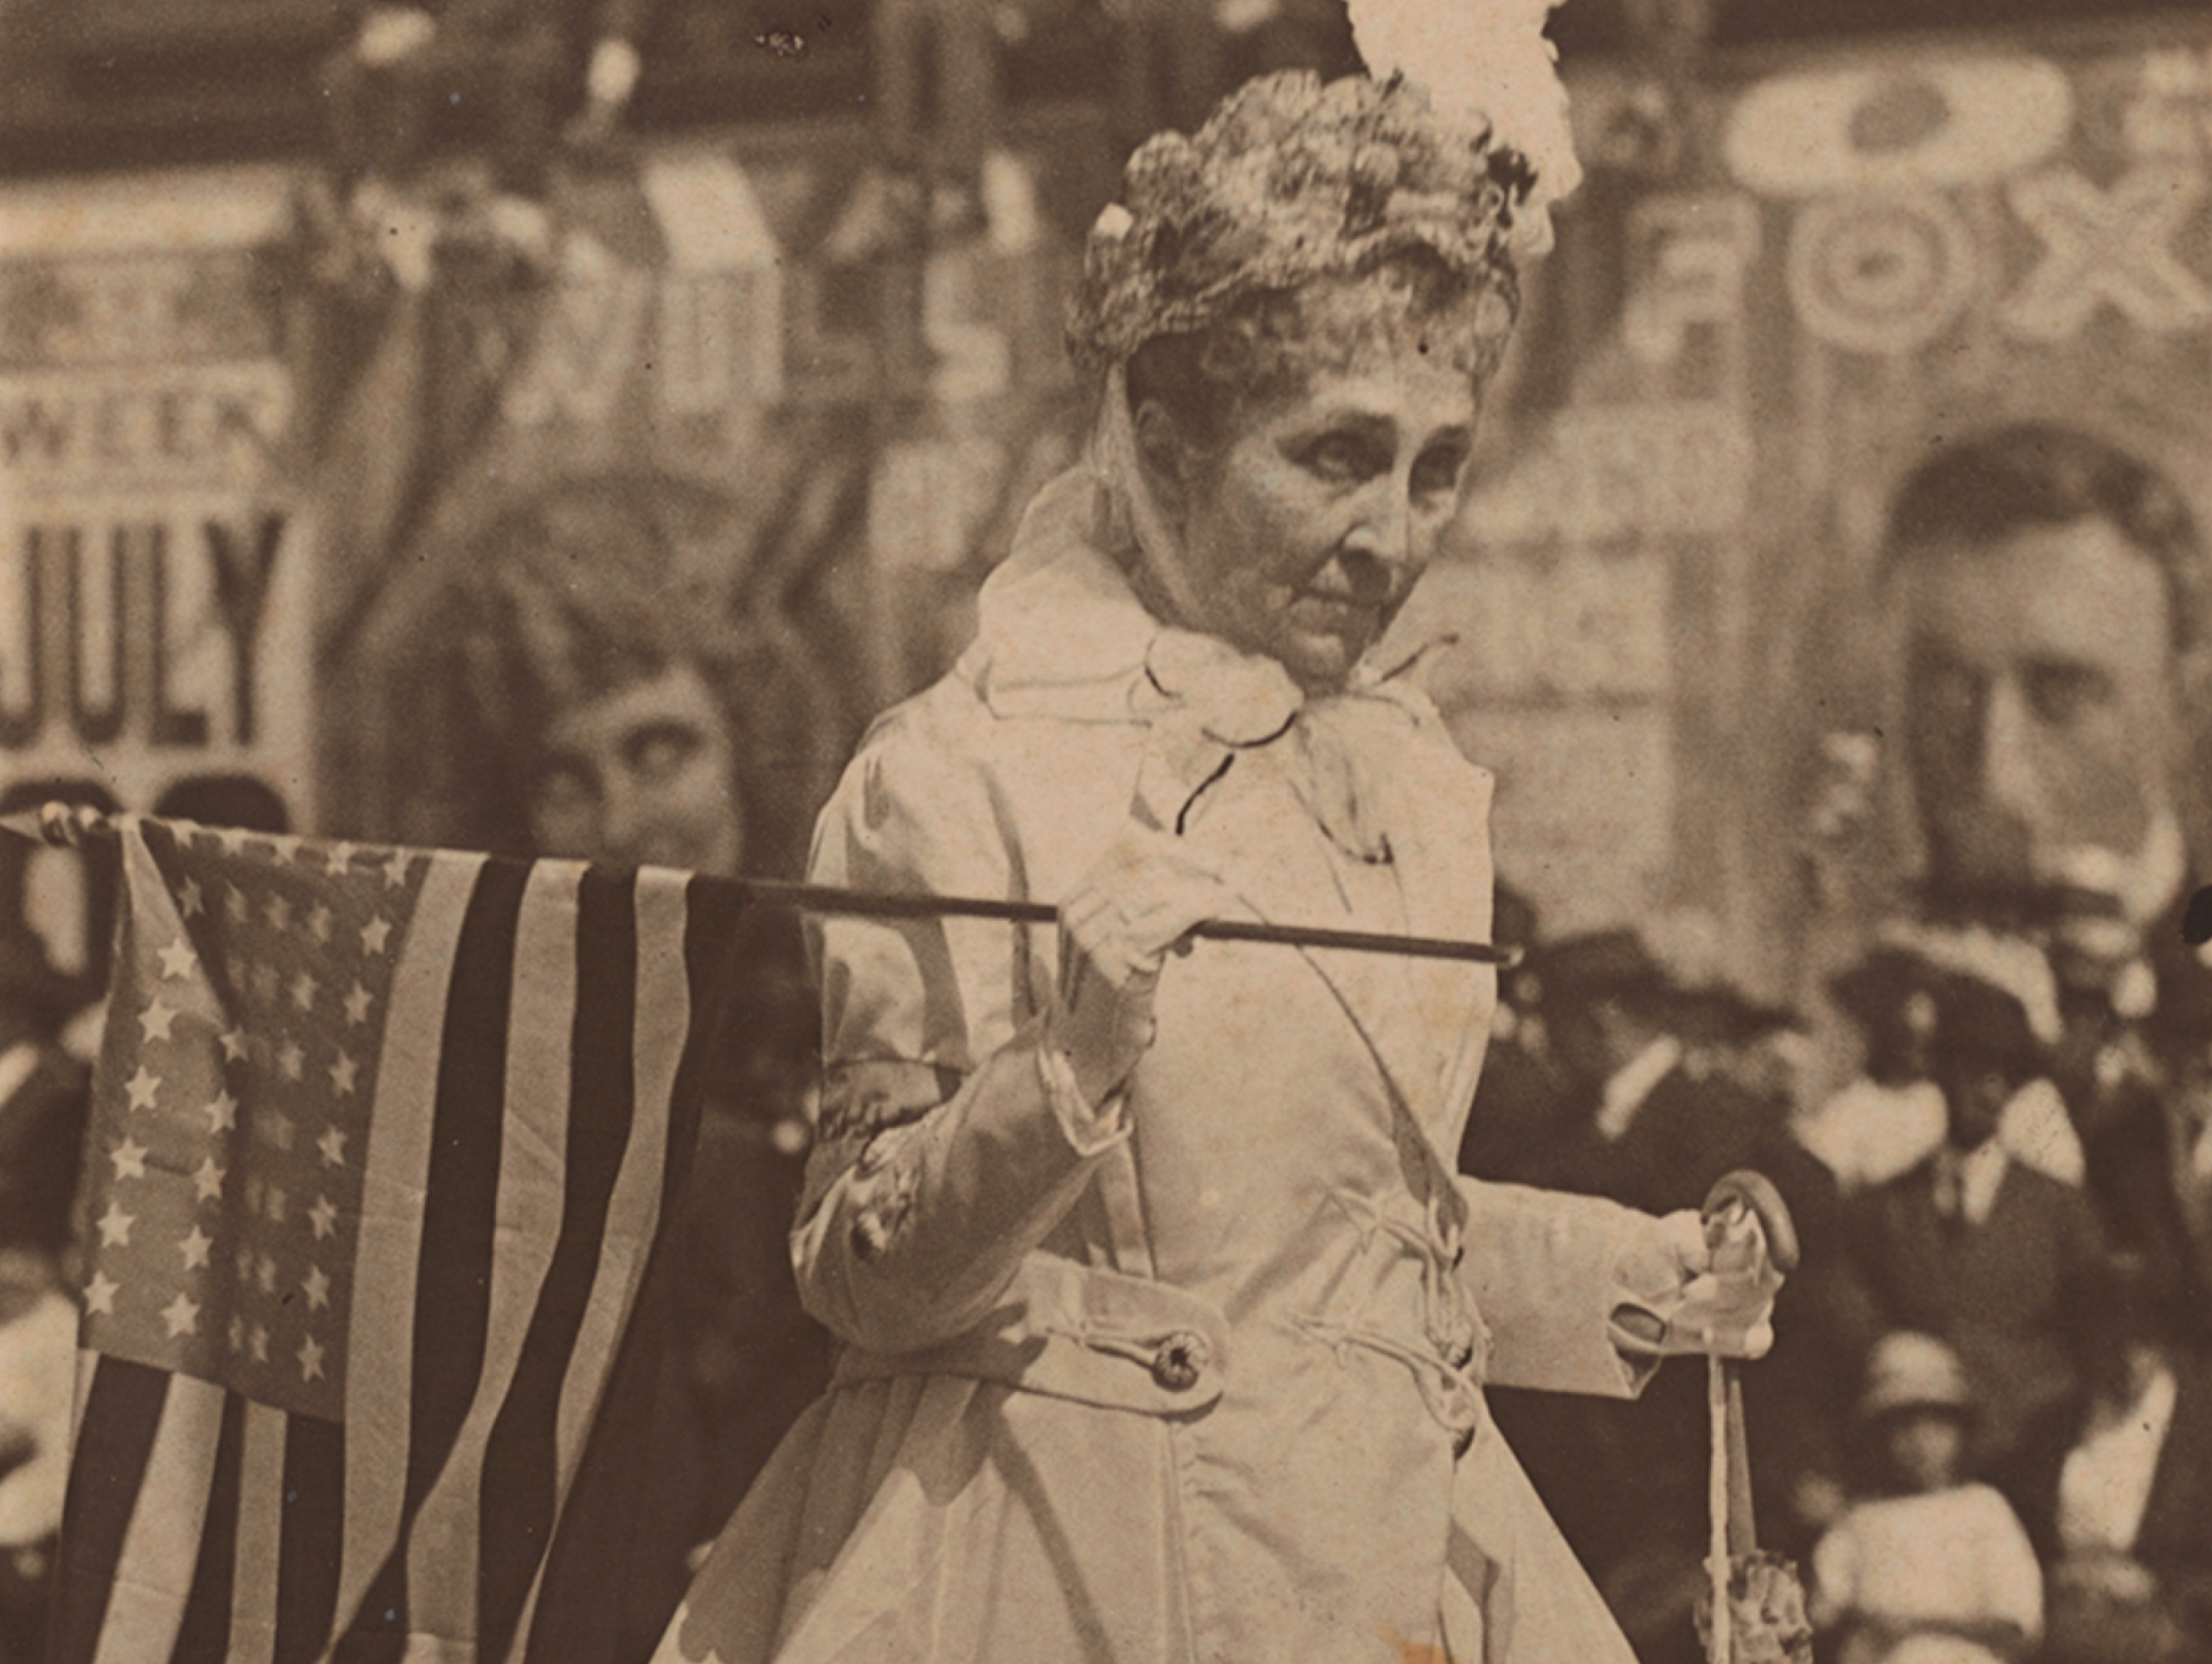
(1165, 1316)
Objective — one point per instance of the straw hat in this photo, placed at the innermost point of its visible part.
(1911, 1371)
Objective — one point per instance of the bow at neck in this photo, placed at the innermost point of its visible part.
(1214, 709)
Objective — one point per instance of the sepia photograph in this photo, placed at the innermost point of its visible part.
(1105, 832)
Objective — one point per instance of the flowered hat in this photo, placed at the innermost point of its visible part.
(1453, 145)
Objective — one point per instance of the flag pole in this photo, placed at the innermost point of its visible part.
(69, 825)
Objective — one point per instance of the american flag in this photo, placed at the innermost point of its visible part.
(381, 1142)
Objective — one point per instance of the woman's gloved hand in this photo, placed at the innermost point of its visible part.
(1703, 1286)
(1135, 905)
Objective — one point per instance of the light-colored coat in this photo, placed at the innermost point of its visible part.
(1209, 1391)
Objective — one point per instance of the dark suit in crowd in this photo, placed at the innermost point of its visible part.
(2007, 1293)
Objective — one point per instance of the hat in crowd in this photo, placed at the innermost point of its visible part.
(1719, 1015)
(1908, 1370)
(1870, 991)
(1981, 1023)
(1602, 964)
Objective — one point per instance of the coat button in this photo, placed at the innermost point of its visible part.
(1180, 1360)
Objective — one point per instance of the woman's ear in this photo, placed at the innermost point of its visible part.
(1164, 456)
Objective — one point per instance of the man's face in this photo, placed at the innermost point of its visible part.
(640, 776)
(1975, 1094)
(2041, 719)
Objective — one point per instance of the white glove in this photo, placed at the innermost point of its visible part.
(1713, 1297)
(1136, 904)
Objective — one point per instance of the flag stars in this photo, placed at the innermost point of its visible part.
(337, 858)
(207, 1181)
(258, 1339)
(232, 839)
(234, 902)
(182, 1316)
(304, 990)
(157, 1020)
(195, 1248)
(115, 1226)
(178, 960)
(396, 869)
(99, 1294)
(342, 1075)
(234, 1047)
(142, 1087)
(237, 1334)
(322, 1217)
(274, 1205)
(374, 934)
(276, 1129)
(278, 912)
(311, 1360)
(265, 1273)
(129, 1157)
(332, 1144)
(320, 921)
(358, 1000)
(222, 1111)
(189, 899)
(317, 1288)
(291, 1061)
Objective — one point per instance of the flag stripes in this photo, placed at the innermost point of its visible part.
(161, 1545)
(310, 1537)
(396, 1174)
(678, 1008)
(453, 1278)
(260, 1538)
(444, 1556)
(532, 1074)
(205, 1630)
(122, 1408)
(522, 1453)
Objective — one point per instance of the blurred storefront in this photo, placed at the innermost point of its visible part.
(242, 455)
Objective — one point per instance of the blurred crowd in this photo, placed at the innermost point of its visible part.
(1986, 1425)
(1986, 1414)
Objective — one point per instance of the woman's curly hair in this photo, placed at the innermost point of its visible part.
(1290, 181)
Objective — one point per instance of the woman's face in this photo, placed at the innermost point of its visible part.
(1926, 1447)
(642, 776)
(1304, 537)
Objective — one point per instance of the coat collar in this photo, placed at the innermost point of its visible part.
(1059, 630)
(1061, 633)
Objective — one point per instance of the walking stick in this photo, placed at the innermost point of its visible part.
(1748, 1590)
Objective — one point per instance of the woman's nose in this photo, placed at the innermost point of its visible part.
(1382, 537)
(623, 821)
(2012, 770)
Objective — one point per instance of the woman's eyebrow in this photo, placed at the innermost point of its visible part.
(1367, 422)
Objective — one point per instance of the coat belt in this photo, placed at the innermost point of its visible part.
(1082, 1333)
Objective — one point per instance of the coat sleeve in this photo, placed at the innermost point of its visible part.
(1550, 1273)
(948, 1145)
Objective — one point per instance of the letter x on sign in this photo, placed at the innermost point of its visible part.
(2114, 245)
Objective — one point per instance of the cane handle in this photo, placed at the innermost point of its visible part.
(1756, 1193)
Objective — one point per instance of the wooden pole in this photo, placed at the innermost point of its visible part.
(60, 824)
